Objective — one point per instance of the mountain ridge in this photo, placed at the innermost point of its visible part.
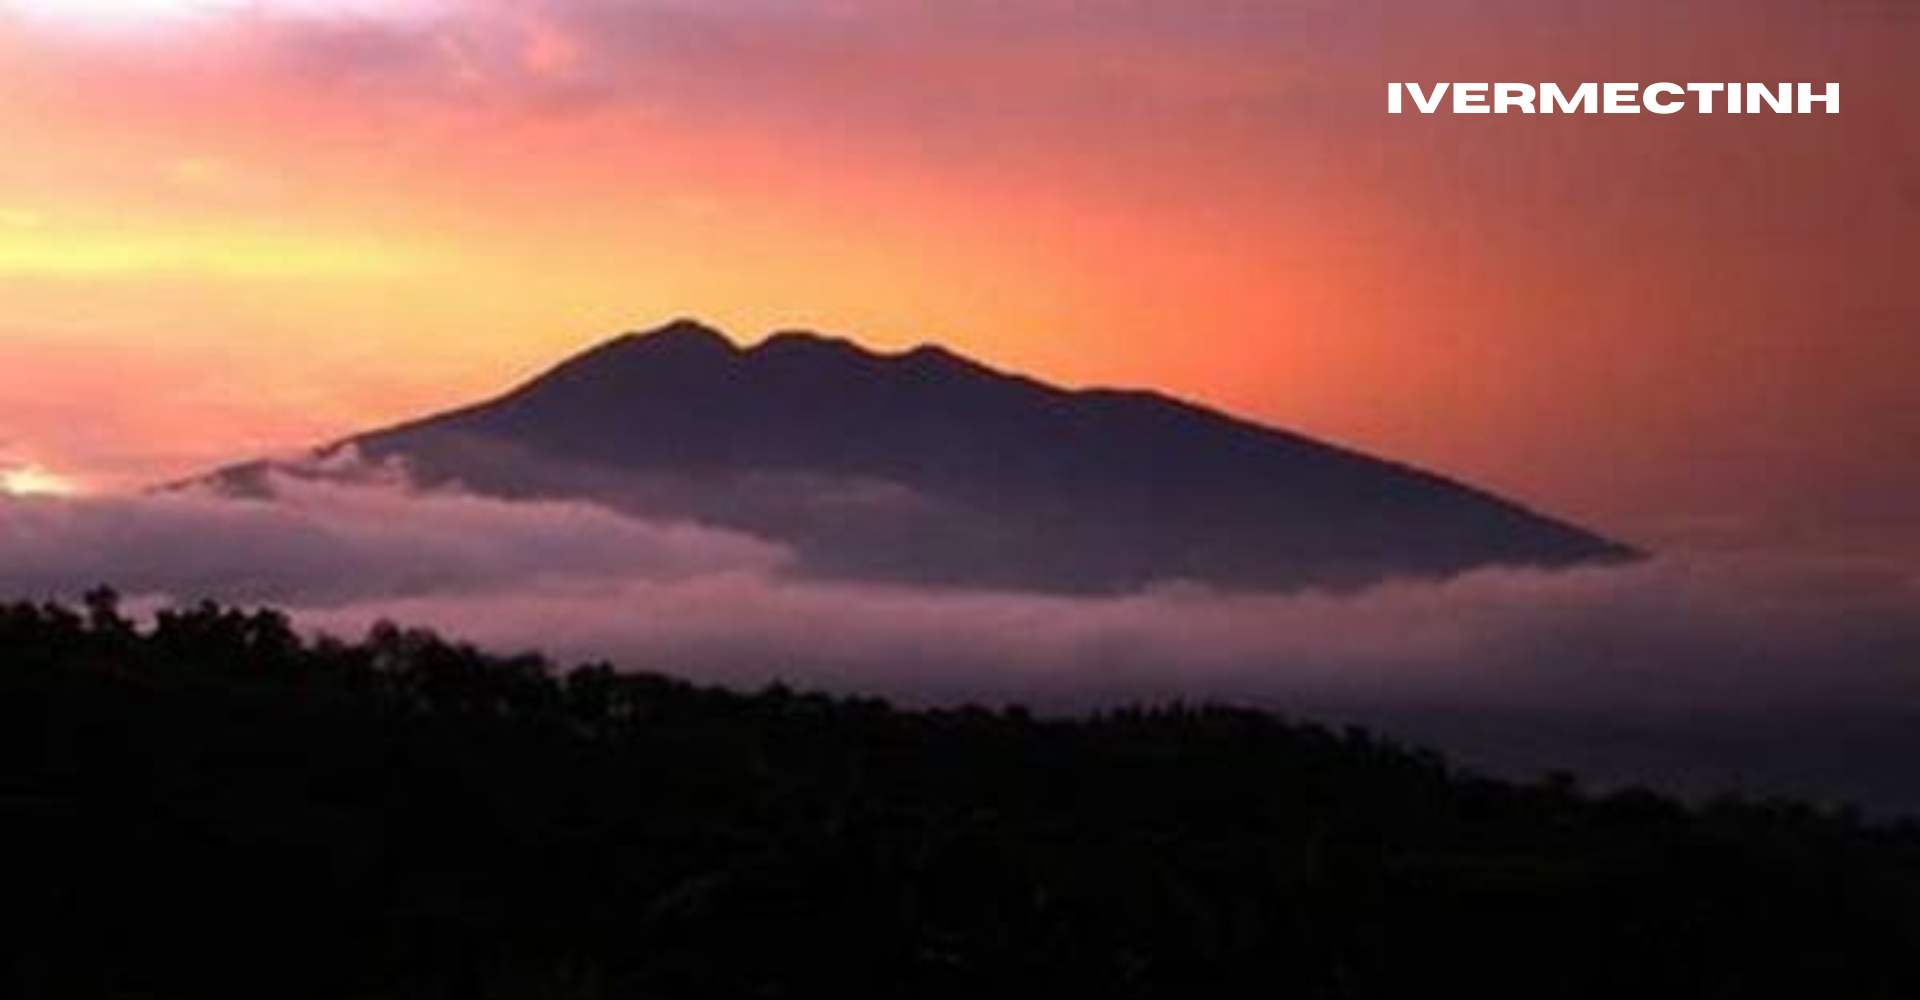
(993, 478)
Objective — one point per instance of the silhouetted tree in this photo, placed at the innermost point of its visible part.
(211, 806)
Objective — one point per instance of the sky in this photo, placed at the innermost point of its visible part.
(230, 227)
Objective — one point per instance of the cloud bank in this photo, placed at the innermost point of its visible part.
(321, 544)
(1756, 673)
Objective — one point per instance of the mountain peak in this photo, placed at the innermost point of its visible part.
(928, 466)
(934, 357)
(680, 335)
(806, 343)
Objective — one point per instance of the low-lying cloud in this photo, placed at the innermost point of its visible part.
(1761, 673)
(324, 543)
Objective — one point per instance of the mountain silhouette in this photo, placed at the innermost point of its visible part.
(930, 468)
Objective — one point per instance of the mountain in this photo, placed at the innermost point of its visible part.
(931, 468)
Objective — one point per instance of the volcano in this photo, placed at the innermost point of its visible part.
(930, 468)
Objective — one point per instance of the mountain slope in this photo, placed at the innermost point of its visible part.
(931, 468)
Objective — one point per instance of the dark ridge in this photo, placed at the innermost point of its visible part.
(806, 343)
(679, 342)
(1005, 481)
(688, 334)
(212, 807)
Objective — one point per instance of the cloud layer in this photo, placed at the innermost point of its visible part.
(1695, 674)
(322, 544)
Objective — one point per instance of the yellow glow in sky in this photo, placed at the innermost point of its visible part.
(33, 481)
(42, 253)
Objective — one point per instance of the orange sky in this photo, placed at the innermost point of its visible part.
(229, 226)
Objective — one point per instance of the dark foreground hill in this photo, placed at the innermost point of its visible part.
(214, 808)
(930, 468)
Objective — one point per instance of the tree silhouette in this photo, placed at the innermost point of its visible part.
(211, 806)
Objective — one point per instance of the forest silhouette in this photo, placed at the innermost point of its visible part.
(212, 805)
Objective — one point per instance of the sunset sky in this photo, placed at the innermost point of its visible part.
(235, 226)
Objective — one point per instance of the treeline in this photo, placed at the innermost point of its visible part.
(211, 806)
